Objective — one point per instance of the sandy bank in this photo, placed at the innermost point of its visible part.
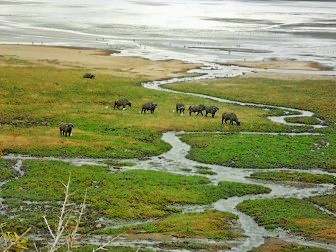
(284, 64)
(99, 61)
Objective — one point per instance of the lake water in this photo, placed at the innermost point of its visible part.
(191, 30)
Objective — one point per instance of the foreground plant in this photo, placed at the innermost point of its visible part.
(11, 240)
(60, 237)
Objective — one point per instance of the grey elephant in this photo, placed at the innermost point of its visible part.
(232, 117)
(180, 108)
(148, 106)
(66, 128)
(122, 102)
(89, 76)
(211, 110)
(196, 109)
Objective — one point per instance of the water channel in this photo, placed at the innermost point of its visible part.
(175, 161)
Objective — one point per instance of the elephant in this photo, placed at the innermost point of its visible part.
(89, 76)
(180, 108)
(122, 102)
(148, 106)
(196, 109)
(211, 110)
(230, 116)
(66, 128)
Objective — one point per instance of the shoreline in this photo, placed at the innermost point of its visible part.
(95, 59)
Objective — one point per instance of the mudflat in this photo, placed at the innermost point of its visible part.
(101, 61)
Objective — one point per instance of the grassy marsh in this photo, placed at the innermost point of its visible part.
(313, 95)
(264, 151)
(136, 194)
(210, 224)
(294, 177)
(6, 172)
(275, 245)
(36, 99)
(296, 215)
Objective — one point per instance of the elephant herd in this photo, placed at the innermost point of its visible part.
(66, 128)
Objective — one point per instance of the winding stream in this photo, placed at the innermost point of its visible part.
(175, 161)
(212, 71)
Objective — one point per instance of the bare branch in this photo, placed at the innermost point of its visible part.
(37, 250)
(48, 226)
(102, 247)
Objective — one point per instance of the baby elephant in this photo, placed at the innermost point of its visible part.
(196, 109)
(230, 116)
(122, 102)
(66, 128)
(180, 108)
(148, 106)
(89, 76)
(211, 110)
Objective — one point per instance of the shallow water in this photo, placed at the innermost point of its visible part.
(203, 31)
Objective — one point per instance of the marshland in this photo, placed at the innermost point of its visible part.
(168, 181)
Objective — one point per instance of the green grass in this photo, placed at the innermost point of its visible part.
(327, 201)
(205, 170)
(129, 194)
(294, 177)
(313, 95)
(295, 215)
(36, 99)
(210, 224)
(264, 151)
(304, 120)
(6, 170)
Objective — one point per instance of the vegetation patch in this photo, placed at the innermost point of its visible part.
(304, 120)
(197, 246)
(326, 201)
(313, 95)
(31, 110)
(296, 215)
(6, 170)
(276, 245)
(264, 151)
(129, 194)
(205, 170)
(295, 177)
(89, 248)
(210, 224)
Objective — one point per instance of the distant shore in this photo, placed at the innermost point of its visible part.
(99, 61)
(104, 61)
